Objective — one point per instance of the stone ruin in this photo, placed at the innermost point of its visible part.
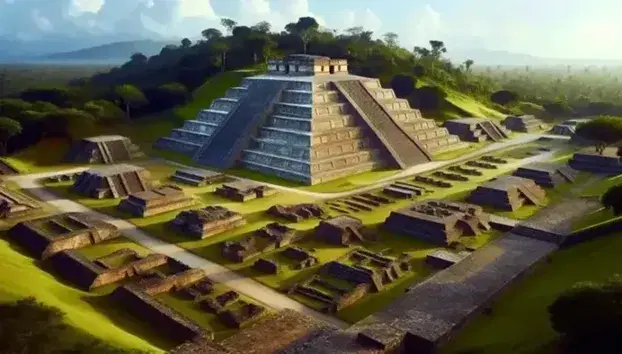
(49, 235)
(14, 204)
(206, 222)
(441, 259)
(103, 149)
(608, 163)
(403, 190)
(112, 268)
(477, 129)
(266, 266)
(371, 272)
(242, 191)
(439, 221)
(284, 329)
(310, 125)
(567, 128)
(297, 212)
(342, 230)
(269, 237)
(524, 124)
(198, 177)
(156, 201)
(113, 181)
(508, 193)
(547, 174)
(302, 258)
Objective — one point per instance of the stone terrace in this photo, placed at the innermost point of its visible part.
(156, 201)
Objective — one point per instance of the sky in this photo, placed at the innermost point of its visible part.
(546, 28)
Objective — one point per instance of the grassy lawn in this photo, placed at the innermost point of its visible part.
(470, 148)
(22, 277)
(519, 322)
(598, 189)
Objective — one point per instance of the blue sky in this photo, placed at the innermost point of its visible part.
(549, 28)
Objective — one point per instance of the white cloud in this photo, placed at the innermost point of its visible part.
(80, 6)
(366, 19)
(42, 22)
(195, 8)
(427, 26)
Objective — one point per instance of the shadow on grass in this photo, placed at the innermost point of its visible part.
(109, 308)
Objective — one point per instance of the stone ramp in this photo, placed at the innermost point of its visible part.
(118, 150)
(226, 144)
(494, 132)
(405, 150)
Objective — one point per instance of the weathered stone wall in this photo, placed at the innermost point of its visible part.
(129, 270)
(176, 281)
(151, 311)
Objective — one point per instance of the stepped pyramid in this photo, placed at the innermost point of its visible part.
(309, 120)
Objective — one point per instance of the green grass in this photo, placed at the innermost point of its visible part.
(454, 154)
(212, 89)
(598, 189)
(22, 277)
(519, 322)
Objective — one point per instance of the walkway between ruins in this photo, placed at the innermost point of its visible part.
(247, 286)
(417, 169)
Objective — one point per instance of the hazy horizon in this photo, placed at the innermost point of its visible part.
(565, 29)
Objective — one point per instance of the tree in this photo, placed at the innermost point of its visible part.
(131, 96)
(241, 32)
(612, 199)
(391, 39)
(211, 34)
(602, 131)
(589, 317)
(71, 123)
(438, 48)
(222, 47)
(557, 109)
(228, 24)
(139, 58)
(186, 43)
(468, 64)
(12, 107)
(8, 129)
(418, 70)
(262, 27)
(503, 97)
(403, 85)
(306, 29)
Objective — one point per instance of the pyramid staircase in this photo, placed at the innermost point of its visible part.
(195, 133)
(477, 130)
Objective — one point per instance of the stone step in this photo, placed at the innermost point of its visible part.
(212, 116)
(372, 83)
(189, 135)
(285, 136)
(435, 144)
(177, 145)
(223, 104)
(428, 133)
(347, 171)
(337, 135)
(396, 104)
(325, 109)
(342, 161)
(327, 96)
(325, 151)
(291, 123)
(236, 92)
(299, 152)
(297, 97)
(293, 110)
(324, 123)
(382, 93)
(406, 115)
(201, 127)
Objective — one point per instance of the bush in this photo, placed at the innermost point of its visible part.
(503, 97)
(403, 85)
(427, 98)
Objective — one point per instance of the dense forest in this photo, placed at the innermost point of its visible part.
(147, 86)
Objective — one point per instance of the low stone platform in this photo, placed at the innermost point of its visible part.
(242, 191)
(208, 221)
(14, 204)
(113, 181)
(438, 221)
(47, 236)
(508, 193)
(524, 124)
(608, 163)
(155, 201)
(477, 129)
(103, 149)
(269, 237)
(297, 212)
(198, 177)
(341, 230)
(547, 174)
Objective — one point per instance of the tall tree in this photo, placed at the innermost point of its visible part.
(8, 129)
(613, 199)
(468, 64)
(211, 34)
(262, 27)
(391, 39)
(306, 29)
(223, 47)
(139, 58)
(131, 97)
(438, 48)
(602, 131)
(228, 24)
(186, 43)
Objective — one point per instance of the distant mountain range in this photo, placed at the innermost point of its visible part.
(120, 51)
(77, 50)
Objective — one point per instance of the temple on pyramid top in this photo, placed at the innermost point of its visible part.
(307, 119)
(304, 64)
